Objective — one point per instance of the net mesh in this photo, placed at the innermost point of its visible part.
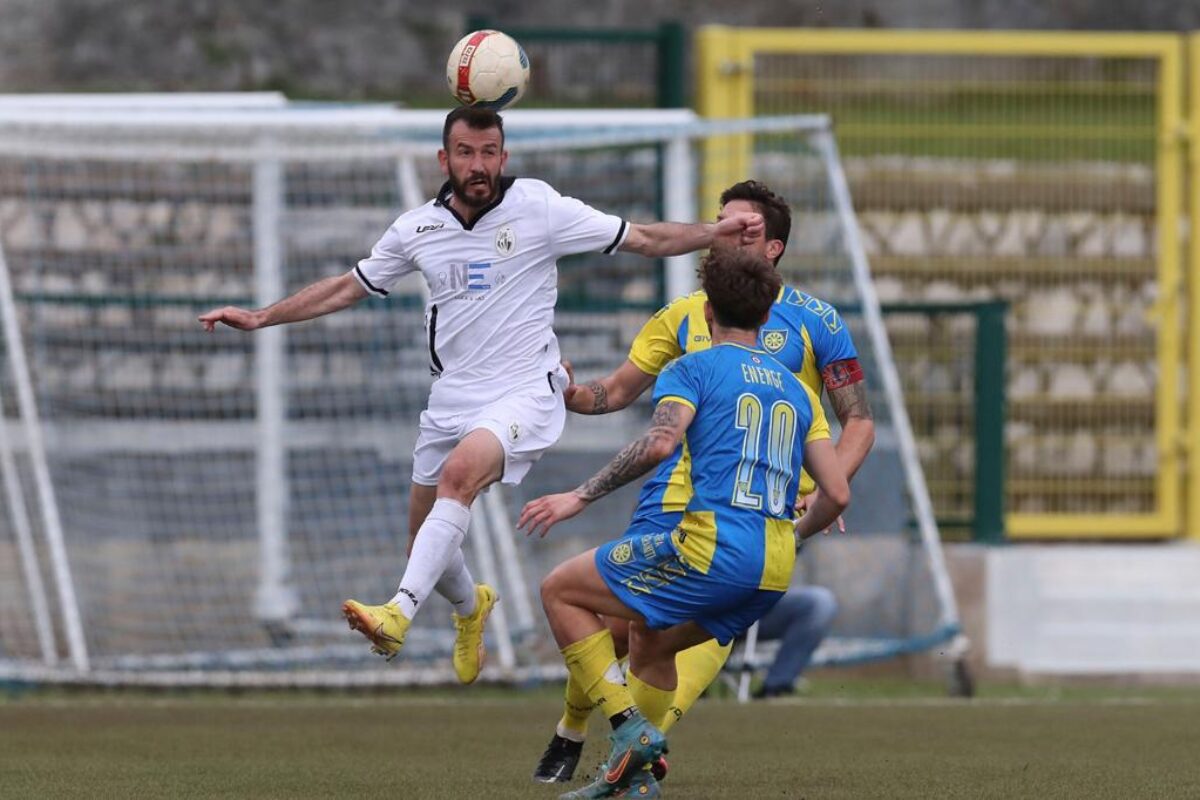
(116, 238)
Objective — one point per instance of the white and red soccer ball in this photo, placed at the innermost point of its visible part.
(487, 69)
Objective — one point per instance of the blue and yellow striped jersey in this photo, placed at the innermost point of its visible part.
(803, 333)
(746, 447)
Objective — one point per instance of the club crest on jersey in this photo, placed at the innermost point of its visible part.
(774, 340)
(621, 554)
(514, 432)
(506, 240)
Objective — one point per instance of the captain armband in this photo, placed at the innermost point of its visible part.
(842, 373)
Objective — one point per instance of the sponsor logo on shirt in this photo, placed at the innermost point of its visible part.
(506, 240)
(477, 277)
(426, 228)
(472, 279)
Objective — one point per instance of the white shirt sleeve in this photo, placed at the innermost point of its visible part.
(387, 264)
(576, 227)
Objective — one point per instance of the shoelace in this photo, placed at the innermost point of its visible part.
(460, 624)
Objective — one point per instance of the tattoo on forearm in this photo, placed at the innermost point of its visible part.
(635, 460)
(850, 402)
(599, 397)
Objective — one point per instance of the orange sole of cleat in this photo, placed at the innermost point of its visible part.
(364, 626)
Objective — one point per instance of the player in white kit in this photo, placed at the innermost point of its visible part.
(487, 246)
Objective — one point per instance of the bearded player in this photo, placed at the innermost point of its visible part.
(487, 246)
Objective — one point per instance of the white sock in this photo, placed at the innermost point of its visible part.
(457, 585)
(568, 734)
(440, 536)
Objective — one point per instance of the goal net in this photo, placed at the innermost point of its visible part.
(190, 508)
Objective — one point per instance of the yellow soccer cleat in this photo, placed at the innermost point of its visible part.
(469, 651)
(384, 626)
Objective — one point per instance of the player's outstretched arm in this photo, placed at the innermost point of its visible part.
(660, 239)
(670, 422)
(315, 300)
(821, 461)
(611, 393)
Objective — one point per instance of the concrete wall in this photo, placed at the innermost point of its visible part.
(1038, 613)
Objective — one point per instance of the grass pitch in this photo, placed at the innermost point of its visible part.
(482, 743)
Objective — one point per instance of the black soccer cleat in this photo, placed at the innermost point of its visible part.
(559, 761)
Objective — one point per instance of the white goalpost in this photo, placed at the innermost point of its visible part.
(204, 502)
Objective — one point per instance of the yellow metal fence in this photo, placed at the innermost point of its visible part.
(1044, 169)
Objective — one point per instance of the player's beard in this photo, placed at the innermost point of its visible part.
(460, 189)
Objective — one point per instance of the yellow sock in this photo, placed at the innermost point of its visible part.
(655, 704)
(576, 710)
(697, 667)
(592, 661)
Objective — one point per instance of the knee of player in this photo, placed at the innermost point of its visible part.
(825, 605)
(644, 642)
(551, 587)
(457, 482)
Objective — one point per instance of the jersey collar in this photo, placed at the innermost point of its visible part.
(757, 350)
(443, 200)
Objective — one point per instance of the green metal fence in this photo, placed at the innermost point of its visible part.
(952, 359)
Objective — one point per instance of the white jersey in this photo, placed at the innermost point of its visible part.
(493, 284)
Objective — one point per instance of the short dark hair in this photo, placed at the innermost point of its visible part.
(478, 119)
(777, 216)
(741, 287)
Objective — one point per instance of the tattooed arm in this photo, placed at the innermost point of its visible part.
(853, 411)
(610, 393)
(848, 396)
(639, 457)
(666, 429)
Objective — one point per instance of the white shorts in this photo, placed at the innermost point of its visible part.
(526, 424)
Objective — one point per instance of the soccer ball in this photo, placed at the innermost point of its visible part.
(487, 69)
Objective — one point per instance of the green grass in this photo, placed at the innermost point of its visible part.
(894, 740)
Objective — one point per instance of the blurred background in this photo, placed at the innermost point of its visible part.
(1023, 178)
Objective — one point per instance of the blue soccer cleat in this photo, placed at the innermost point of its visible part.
(635, 744)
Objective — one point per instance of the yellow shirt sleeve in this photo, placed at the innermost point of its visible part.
(819, 429)
(657, 344)
(673, 398)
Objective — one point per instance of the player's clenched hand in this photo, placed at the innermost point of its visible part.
(805, 501)
(574, 393)
(748, 225)
(232, 316)
(538, 516)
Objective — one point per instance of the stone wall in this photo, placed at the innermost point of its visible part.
(394, 48)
